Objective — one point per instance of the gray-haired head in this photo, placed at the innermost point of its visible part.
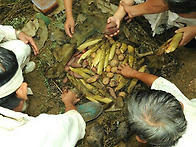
(156, 117)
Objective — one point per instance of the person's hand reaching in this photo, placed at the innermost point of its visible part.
(112, 27)
(189, 33)
(126, 70)
(29, 40)
(70, 98)
(69, 26)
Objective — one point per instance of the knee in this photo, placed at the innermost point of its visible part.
(22, 47)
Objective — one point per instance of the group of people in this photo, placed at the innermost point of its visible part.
(160, 116)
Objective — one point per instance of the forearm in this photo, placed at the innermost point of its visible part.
(68, 8)
(120, 13)
(147, 78)
(149, 7)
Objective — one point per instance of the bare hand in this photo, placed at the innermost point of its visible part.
(70, 98)
(69, 27)
(112, 27)
(189, 34)
(29, 40)
(126, 70)
(127, 9)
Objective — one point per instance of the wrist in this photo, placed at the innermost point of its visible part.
(135, 74)
(17, 33)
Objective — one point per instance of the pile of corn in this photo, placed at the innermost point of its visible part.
(93, 70)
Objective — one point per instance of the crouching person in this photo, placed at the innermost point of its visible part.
(18, 129)
(162, 116)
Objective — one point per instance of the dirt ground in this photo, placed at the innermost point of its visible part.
(178, 67)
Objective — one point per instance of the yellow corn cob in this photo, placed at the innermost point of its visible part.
(131, 52)
(101, 63)
(107, 52)
(134, 80)
(123, 48)
(126, 59)
(88, 43)
(101, 99)
(78, 84)
(112, 51)
(89, 86)
(130, 49)
(97, 58)
(86, 70)
(89, 52)
(174, 42)
(122, 82)
(83, 74)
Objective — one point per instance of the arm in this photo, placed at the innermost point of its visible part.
(27, 39)
(114, 21)
(128, 72)
(148, 7)
(69, 23)
(189, 34)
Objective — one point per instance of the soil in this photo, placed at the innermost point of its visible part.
(178, 67)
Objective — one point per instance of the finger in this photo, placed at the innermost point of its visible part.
(77, 100)
(127, 17)
(180, 30)
(118, 71)
(68, 33)
(122, 4)
(120, 67)
(109, 20)
(34, 46)
(72, 29)
(183, 42)
(110, 31)
(128, 20)
(111, 25)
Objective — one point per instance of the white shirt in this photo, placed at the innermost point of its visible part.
(168, 18)
(63, 130)
(7, 33)
(188, 138)
(20, 130)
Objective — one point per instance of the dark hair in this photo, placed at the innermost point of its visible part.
(10, 102)
(156, 117)
(8, 65)
(181, 6)
(8, 68)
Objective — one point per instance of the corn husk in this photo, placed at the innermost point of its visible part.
(174, 42)
(112, 51)
(88, 43)
(101, 63)
(123, 48)
(134, 80)
(78, 71)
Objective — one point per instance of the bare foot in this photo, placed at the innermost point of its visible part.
(192, 85)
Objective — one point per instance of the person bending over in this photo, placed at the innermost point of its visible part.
(162, 115)
(178, 13)
(23, 130)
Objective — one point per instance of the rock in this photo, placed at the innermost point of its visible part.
(95, 139)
